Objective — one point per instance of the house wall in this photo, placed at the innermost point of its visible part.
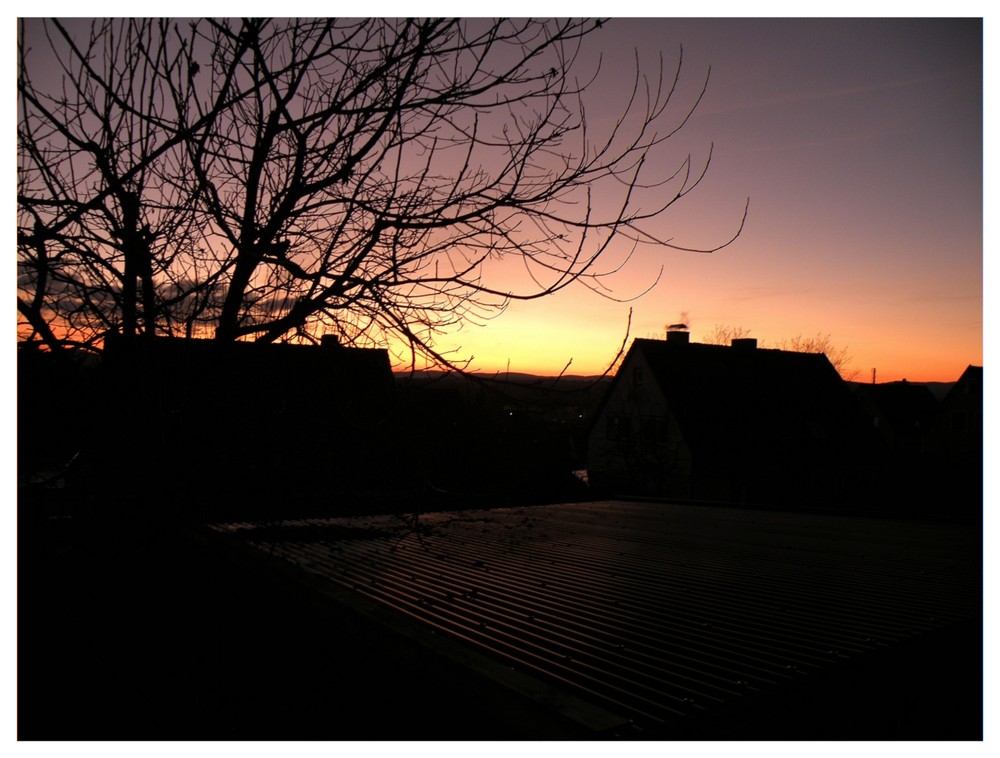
(635, 445)
(959, 425)
(251, 421)
(958, 445)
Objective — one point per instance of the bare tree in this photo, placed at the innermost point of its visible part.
(279, 179)
(722, 334)
(106, 220)
(822, 343)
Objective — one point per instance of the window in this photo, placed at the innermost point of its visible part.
(647, 430)
(619, 428)
(614, 427)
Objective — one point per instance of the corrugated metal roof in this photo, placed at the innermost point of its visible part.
(655, 612)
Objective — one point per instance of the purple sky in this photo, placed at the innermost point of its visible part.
(859, 144)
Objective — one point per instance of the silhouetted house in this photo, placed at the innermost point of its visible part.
(910, 475)
(957, 442)
(730, 423)
(248, 417)
(959, 423)
(902, 412)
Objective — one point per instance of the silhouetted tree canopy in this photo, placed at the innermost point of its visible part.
(275, 180)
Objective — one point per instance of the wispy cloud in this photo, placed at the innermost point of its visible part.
(833, 93)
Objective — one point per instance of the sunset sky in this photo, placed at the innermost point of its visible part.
(859, 145)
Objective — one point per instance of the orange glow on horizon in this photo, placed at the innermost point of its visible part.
(580, 334)
(549, 338)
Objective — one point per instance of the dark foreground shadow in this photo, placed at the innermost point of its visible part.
(131, 634)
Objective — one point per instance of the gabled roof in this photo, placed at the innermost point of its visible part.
(753, 404)
(969, 384)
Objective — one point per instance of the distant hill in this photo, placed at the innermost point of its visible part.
(510, 387)
(499, 379)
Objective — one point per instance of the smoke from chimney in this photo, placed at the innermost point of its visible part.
(679, 332)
